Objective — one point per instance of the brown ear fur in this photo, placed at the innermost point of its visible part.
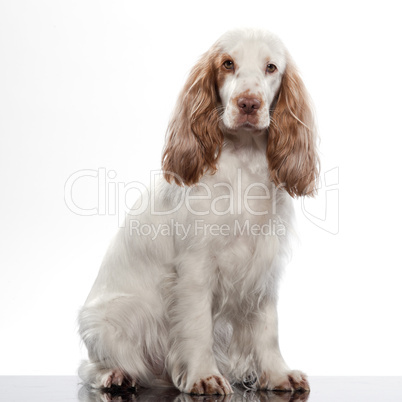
(291, 150)
(194, 139)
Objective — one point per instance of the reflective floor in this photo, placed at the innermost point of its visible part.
(323, 389)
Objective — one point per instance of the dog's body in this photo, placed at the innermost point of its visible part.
(187, 291)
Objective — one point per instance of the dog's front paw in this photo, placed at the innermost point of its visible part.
(116, 377)
(210, 385)
(289, 381)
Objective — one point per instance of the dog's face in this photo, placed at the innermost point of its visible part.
(249, 74)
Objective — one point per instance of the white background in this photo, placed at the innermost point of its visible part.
(91, 84)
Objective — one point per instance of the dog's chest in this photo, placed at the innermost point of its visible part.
(240, 191)
(248, 229)
(235, 217)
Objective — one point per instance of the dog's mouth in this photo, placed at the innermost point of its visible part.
(247, 119)
(233, 121)
(249, 123)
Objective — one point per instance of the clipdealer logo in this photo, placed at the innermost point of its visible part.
(115, 198)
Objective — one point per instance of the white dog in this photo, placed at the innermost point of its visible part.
(187, 292)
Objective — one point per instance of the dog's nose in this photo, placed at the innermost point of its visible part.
(248, 105)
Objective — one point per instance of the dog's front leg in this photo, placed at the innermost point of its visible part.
(191, 362)
(274, 372)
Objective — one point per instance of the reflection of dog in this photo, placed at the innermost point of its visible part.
(87, 394)
(200, 311)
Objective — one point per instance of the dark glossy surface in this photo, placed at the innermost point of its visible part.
(323, 389)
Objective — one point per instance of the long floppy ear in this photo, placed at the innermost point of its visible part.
(194, 140)
(291, 150)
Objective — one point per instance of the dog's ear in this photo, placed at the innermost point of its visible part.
(194, 139)
(291, 150)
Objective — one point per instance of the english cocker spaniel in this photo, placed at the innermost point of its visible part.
(187, 292)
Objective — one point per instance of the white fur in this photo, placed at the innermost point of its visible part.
(179, 307)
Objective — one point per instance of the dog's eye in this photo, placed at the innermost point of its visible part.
(228, 64)
(271, 68)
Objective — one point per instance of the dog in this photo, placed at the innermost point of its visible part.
(187, 292)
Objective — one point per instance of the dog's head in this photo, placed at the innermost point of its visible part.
(245, 85)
